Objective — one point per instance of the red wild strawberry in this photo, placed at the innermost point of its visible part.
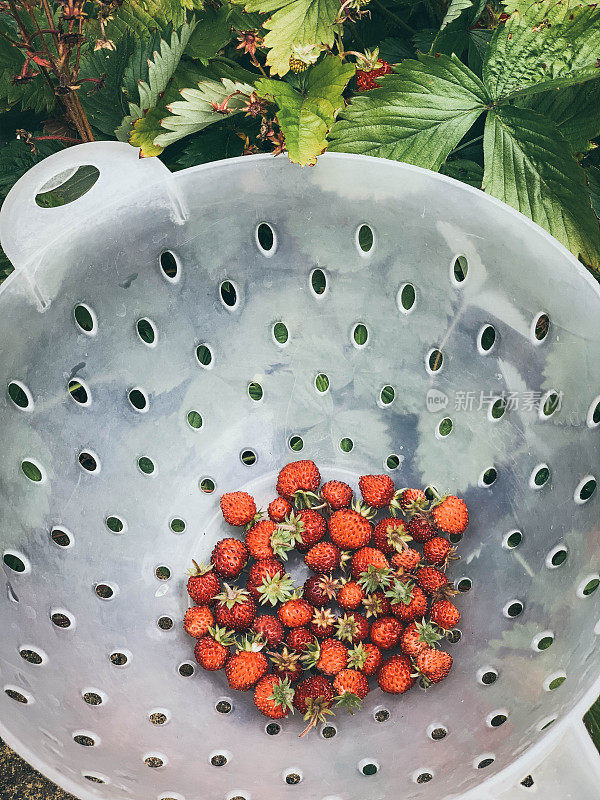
(385, 632)
(323, 557)
(203, 584)
(377, 490)
(197, 621)
(365, 557)
(418, 635)
(311, 527)
(286, 665)
(336, 494)
(235, 609)
(351, 682)
(314, 698)
(434, 582)
(451, 515)
(394, 675)
(329, 657)
(322, 623)
(410, 500)
(246, 667)
(300, 476)
(238, 508)
(269, 628)
(434, 665)
(350, 596)
(406, 561)
(391, 535)
(320, 590)
(365, 657)
(295, 613)
(445, 614)
(229, 557)
(258, 539)
(366, 80)
(420, 529)
(349, 530)
(438, 551)
(212, 650)
(273, 696)
(299, 639)
(408, 601)
(353, 628)
(279, 509)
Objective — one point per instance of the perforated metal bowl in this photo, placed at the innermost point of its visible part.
(93, 651)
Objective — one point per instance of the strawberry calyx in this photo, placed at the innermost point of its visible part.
(286, 660)
(375, 578)
(283, 694)
(222, 636)
(363, 509)
(401, 592)
(276, 589)
(318, 708)
(346, 628)
(311, 655)
(231, 596)
(199, 569)
(283, 540)
(348, 700)
(428, 633)
(357, 656)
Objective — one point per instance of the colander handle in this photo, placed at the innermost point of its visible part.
(26, 229)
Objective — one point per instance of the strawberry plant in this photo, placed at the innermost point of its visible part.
(502, 95)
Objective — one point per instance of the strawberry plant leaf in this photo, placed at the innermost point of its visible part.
(106, 106)
(35, 95)
(306, 117)
(295, 22)
(453, 33)
(593, 179)
(419, 115)
(575, 111)
(550, 44)
(161, 68)
(530, 166)
(462, 169)
(212, 32)
(196, 112)
(218, 141)
(144, 18)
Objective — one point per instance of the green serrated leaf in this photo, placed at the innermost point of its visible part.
(212, 32)
(305, 118)
(593, 179)
(36, 94)
(295, 22)
(218, 141)
(419, 115)
(453, 35)
(530, 166)
(575, 111)
(550, 44)
(142, 19)
(195, 111)
(160, 70)
(462, 169)
(106, 107)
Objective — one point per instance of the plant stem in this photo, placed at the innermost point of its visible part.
(466, 144)
(394, 17)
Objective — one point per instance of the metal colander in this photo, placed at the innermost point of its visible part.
(460, 346)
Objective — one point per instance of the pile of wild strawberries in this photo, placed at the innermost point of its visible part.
(375, 605)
